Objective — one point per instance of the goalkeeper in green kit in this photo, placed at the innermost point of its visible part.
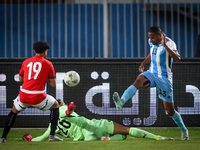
(71, 125)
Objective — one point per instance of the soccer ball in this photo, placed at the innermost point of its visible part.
(71, 78)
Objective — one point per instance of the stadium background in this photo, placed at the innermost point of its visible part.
(104, 41)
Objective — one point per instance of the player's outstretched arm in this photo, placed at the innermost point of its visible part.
(28, 137)
(43, 137)
(66, 110)
(146, 61)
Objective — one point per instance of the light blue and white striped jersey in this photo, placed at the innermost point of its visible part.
(161, 61)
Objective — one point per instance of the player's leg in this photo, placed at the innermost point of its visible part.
(104, 127)
(165, 92)
(169, 107)
(54, 116)
(135, 132)
(119, 129)
(142, 81)
(50, 103)
(17, 107)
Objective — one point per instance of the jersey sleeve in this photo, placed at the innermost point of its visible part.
(51, 71)
(44, 136)
(171, 44)
(62, 110)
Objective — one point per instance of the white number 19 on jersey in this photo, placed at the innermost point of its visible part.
(35, 69)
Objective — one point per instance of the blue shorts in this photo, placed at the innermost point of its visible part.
(163, 86)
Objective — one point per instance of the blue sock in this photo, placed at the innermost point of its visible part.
(128, 93)
(179, 121)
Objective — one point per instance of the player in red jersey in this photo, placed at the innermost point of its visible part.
(34, 73)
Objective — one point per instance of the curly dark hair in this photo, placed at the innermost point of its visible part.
(40, 46)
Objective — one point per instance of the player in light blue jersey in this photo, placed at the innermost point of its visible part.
(162, 52)
(71, 125)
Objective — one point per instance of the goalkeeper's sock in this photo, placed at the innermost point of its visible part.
(54, 120)
(179, 121)
(9, 123)
(128, 93)
(138, 133)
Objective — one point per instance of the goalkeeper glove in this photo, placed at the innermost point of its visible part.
(71, 108)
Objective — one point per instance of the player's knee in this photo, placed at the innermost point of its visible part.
(55, 105)
(146, 83)
(138, 83)
(14, 110)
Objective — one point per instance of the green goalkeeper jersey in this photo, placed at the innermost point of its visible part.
(79, 128)
(64, 128)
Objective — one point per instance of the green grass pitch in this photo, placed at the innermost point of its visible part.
(15, 142)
